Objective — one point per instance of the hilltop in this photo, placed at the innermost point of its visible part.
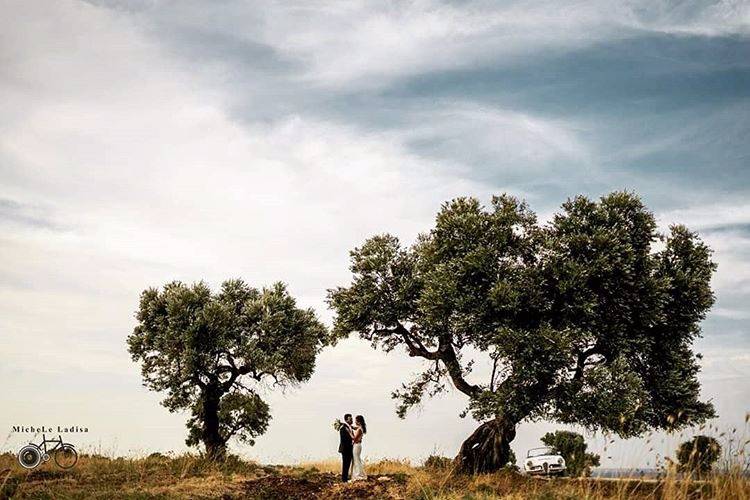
(189, 476)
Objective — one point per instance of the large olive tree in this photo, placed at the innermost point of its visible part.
(206, 351)
(582, 320)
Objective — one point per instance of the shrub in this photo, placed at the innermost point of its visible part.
(572, 447)
(699, 454)
(438, 462)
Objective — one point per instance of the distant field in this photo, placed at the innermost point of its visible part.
(604, 472)
(189, 476)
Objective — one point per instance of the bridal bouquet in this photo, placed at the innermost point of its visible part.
(337, 424)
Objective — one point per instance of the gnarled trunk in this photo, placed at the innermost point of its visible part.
(215, 448)
(487, 449)
(215, 445)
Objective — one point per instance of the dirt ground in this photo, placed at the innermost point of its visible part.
(321, 485)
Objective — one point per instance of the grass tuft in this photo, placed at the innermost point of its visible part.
(192, 476)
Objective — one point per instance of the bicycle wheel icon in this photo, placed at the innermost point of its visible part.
(30, 456)
(66, 456)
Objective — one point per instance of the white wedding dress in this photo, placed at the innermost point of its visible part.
(358, 467)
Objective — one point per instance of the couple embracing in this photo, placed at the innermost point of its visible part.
(350, 447)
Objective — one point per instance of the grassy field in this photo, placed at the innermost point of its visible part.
(190, 476)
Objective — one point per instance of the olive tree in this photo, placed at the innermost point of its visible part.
(581, 320)
(210, 351)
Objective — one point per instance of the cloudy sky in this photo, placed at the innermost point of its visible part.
(145, 141)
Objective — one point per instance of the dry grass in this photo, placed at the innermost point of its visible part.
(388, 466)
(427, 485)
(96, 476)
(190, 476)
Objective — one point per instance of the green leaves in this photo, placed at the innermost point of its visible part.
(244, 415)
(640, 309)
(203, 350)
(582, 319)
(411, 394)
(612, 397)
(383, 294)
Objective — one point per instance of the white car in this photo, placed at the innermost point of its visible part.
(545, 461)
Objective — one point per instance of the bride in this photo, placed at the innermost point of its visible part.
(357, 432)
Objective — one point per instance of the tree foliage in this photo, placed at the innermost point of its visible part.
(583, 320)
(572, 447)
(699, 454)
(209, 353)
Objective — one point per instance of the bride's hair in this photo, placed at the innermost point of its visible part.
(361, 422)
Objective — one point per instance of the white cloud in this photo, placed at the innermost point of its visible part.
(709, 216)
(139, 176)
(730, 313)
(717, 224)
(731, 250)
(367, 43)
(722, 363)
(502, 140)
(697, 17)
(144, 178)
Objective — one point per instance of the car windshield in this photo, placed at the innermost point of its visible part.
(538, 452)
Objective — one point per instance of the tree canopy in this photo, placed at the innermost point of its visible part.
(587, 319)
(210, 351)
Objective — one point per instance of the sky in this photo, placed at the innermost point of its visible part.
(148, 141)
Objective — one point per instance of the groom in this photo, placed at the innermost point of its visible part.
(345, 447)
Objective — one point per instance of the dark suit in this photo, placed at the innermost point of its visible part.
(345, 448)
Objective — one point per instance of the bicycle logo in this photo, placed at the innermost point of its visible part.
(31, 455)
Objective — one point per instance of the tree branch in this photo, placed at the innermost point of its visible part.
(246, 369)
(448, 356)
(494, 370)
(445, 353)
(581, 362)
(196, 378)
(415, 346)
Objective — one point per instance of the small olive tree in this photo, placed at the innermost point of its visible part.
(699, 454)
(572, 447)
(205, 351)
(580, 321)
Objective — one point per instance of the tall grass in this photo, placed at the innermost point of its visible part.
(381, 467)
(193, 476)
(98, 476)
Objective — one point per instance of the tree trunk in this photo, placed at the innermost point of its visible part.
(215, 446)
(487, 449)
